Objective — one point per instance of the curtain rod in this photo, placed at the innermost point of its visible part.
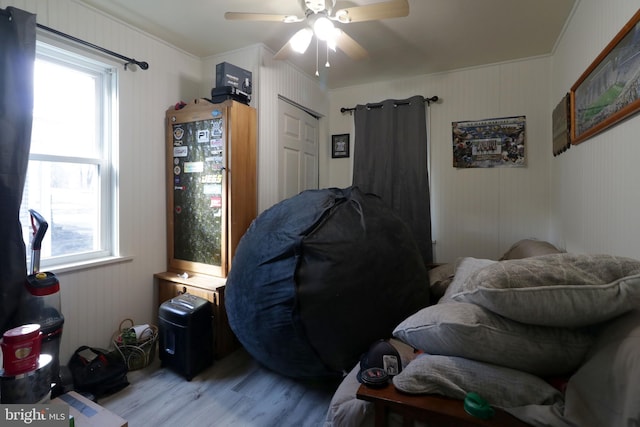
(351, 110)
(142, 64)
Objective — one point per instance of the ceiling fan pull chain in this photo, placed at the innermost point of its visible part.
(327, 65)
(317, 73)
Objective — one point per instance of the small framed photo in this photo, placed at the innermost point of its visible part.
(340, 145)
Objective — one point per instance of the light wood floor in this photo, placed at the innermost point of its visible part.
(235, 391)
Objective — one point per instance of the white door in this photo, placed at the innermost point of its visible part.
(298, 150)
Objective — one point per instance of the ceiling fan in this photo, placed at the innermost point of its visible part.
(319, 16)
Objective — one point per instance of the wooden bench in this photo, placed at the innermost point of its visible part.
(438, 411)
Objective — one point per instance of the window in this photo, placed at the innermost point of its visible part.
(71, 176)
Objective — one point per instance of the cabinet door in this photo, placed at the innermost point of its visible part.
(211, 184)
(196, 194)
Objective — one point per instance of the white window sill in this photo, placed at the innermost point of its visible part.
(86, 265)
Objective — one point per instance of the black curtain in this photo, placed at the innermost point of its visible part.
(390, 160)
(17, 56)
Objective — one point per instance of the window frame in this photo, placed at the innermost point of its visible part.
(106, 159)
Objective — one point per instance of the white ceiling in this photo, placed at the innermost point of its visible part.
(438, 35)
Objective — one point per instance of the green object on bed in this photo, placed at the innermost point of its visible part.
(476, 406)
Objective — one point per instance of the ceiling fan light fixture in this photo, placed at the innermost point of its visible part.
(301, 40)
(323, 28)
(332, 40)
(320, 17)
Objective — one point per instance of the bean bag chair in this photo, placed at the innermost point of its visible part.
(319, 277)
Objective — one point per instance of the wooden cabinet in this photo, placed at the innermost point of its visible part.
(211, 184)
(170, 285)
(211, 201)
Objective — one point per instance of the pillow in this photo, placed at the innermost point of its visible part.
(467, 330)
(604, 391)
(526, 248)
(464, 268)
(455, 377)
(440, 278)
(569, 290)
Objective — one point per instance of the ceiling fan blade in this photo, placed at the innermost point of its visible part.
(351, 47)
(298, 43)
(242, 16)
(381, 10)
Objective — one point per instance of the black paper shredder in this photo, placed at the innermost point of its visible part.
(186, 334)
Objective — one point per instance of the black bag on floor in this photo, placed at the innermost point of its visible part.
(97, 371)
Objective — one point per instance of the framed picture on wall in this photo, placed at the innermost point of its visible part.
(560, 120)
(609, 90)
(340, 145)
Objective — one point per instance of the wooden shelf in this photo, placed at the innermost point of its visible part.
(199, 281)
(438, 411)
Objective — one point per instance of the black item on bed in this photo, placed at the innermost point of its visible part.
(380, 356)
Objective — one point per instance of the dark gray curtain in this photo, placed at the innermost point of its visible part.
(17, 55)
(390, 160)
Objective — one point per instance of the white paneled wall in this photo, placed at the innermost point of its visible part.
(95, 300)
(596, 198)
(475, 212)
